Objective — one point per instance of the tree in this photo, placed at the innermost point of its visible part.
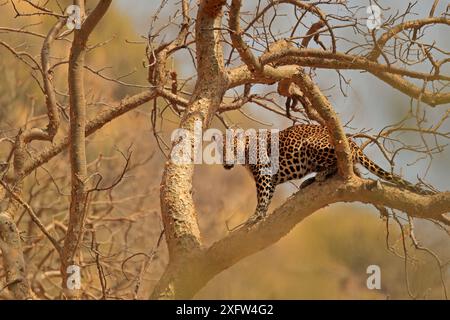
(232, 51)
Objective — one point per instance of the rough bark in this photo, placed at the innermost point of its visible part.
(12, 254)
(205, 264)
(177, 206)
(77, 144)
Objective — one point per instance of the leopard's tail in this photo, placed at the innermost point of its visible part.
(387, 176)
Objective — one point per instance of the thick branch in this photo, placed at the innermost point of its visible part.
(288, 58)
(12, 256)
(326, 112)
(339, 60)
(177, 207)
(77, 140)
(244, 242)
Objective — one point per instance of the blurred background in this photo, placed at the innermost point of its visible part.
(324, 257)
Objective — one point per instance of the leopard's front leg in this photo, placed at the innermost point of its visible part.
(265, 188)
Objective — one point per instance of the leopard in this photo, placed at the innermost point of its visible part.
(304, 149)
